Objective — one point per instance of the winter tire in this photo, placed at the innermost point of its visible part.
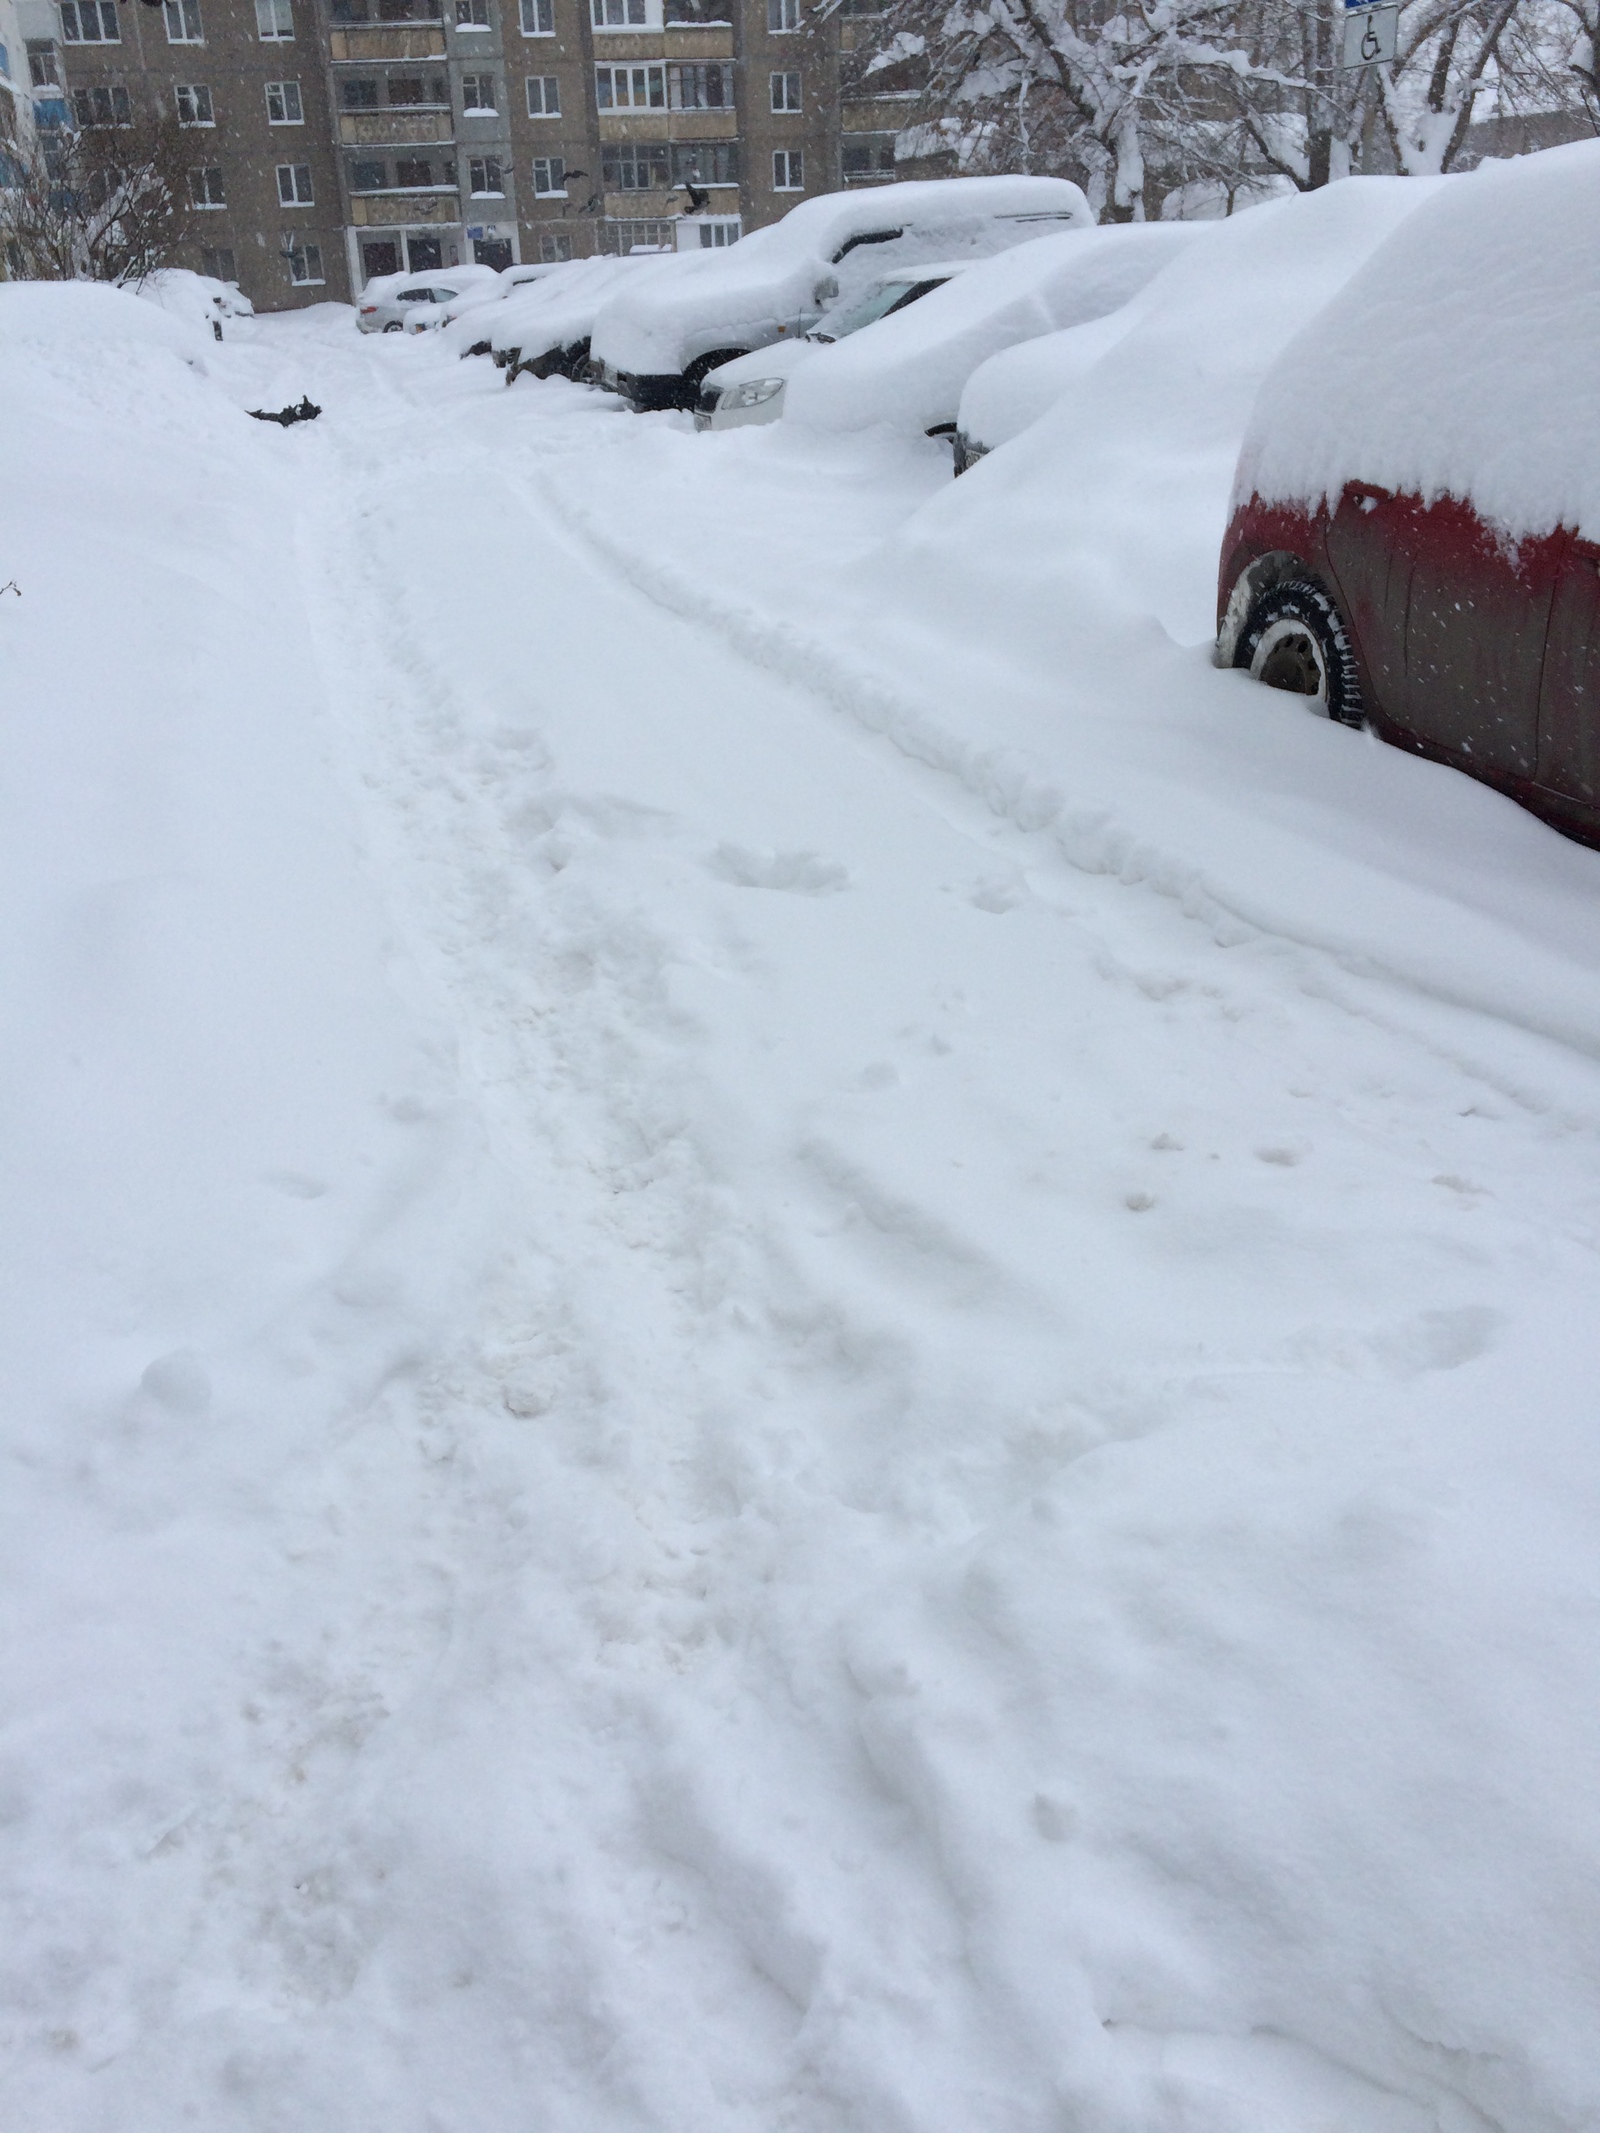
(393, 326)
(1295, 639)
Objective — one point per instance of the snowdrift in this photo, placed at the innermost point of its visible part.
(1123, 485)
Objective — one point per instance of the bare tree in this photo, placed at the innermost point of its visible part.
(1137, 98)
(96, 203)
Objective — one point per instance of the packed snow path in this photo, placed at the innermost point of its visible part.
(717, 1423)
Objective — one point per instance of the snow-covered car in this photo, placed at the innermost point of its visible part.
(1415, 535)
(751, 388)
(655, 343)
(198, 297)
(383, 304)
(475, 299)
(548, 332)
(908, 373)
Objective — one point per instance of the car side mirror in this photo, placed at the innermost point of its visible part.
(826, 290)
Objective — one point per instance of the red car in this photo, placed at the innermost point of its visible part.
(1466, 626)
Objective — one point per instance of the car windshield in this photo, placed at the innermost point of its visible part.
(877, 303)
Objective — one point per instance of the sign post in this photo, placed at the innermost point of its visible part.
(1370, 35)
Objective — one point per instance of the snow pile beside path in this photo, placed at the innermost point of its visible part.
(1460, 362)
(1119, 495)
(92, 319)
(908, 370)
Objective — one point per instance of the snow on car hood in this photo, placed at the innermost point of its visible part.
(908, 369)
(781, 360)
(767, 284)
(1460, 361)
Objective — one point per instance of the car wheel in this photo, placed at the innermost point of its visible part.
(394, 326)
(1296, 639)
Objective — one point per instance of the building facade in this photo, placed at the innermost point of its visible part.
(338, 139)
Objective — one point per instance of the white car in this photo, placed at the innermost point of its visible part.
(383, 304)
(436, 318)
(908, 373)
(751, 388)
(655, 342)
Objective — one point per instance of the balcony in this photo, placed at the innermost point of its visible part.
(395, 129)
(371, 211)
(718, 125)
(419, 41)
(679, 40)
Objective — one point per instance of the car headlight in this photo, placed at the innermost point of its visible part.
(751, 393)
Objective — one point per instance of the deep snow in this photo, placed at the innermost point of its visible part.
(794, 1338)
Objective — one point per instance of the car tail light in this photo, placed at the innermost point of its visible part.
(367, 310)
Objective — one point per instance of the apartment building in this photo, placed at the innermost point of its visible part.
(338, 139)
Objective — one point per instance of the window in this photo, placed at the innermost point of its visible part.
(705, 162)
(205, 189)
(90, 22)
(544, 96)
(193, 100)
(413, 89)
(634, 166)
(708, 88)
(183, 21)
(715, 235)
(472, 14)
(538, 18)
(42, 70)
(370, 177)
(101, 107)
(274, 21)
(788, 171)
(555, 245)
(217, 261)
(294, 185)
(630, 88)
(380, 255)
(304, 261)
(359, 96)
(413, 173)
(424, 255)
(870, 155)
(618, 14)
(549, 176)
(786, 92)
(782, 15)
(484, 174)
(477, 92)
(283, 104)
(638, 234)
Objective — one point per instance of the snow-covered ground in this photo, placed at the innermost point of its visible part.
(795, 1342)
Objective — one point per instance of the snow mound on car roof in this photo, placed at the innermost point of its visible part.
(908, 370)
(1461, 360)
(763, 283)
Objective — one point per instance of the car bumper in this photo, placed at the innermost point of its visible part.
(647, 395)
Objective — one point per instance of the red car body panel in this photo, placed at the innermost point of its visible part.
(1472, 649)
